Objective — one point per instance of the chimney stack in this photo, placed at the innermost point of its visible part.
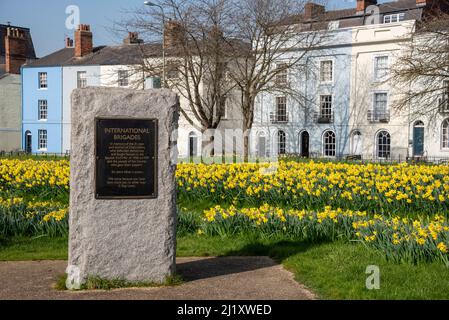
(133, 38)
(83, 41)
(363, 4)
(15, 50)
(68, 42)
(173, 34)
(313, 10)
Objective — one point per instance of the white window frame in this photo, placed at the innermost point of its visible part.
(395, 16)
(280, 104)
(377, 145)
(321, 61)
(325, 144)
(42, 139)
(42, 82)
(375, 66)
(281, 78)
(121, 79)
(331, 109)
(444, 136)
(81, 82)
(375, 93)
(282, 145)
(42, 110)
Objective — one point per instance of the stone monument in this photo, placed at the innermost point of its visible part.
(122, 185)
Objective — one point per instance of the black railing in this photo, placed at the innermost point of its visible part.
(376, 116)
(361, 159)
(324, 117)
(276, 117)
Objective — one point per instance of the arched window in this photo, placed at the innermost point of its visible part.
(383, 143)
(282, 142)
(329, 144)
(193, 144)
(445, 134)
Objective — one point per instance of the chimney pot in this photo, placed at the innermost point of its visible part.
(133, 37)
(83, 41)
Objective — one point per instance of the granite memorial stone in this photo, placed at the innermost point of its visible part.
(122, 185)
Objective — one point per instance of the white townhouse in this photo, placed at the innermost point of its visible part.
(347, 106)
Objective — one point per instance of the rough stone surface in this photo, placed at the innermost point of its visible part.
(121, 239)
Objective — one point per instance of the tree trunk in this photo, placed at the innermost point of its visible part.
(248, 118)
(207, 147)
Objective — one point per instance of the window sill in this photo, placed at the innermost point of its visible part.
(42, 150)
(43, 120)
(42, 89)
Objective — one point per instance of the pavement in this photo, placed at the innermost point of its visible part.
(211, 278)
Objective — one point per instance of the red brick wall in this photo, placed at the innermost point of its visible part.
(15, 50)
(83, 40)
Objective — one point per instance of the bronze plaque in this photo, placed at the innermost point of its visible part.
(126, 158)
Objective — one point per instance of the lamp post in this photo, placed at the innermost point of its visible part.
(152, 4)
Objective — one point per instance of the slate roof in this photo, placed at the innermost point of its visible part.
(350, 18)
(126, 54)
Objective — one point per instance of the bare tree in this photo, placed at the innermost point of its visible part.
(421, 71)
(196, 64)
(282, 33)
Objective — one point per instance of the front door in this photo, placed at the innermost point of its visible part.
(193, 145)
(305, 144)
(418, 140)
(28, 141)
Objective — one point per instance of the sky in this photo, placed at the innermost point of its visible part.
(47, 19)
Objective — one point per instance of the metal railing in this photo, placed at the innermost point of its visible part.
(276, 117)
(376, 116)
(324, 118)
(361, 159)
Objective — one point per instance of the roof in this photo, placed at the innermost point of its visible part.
(350, 18)
(126, 54)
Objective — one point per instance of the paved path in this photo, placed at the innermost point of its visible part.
(255, 278)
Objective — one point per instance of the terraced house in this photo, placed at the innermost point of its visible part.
(346, 104)
(49, 82)
(16, 48)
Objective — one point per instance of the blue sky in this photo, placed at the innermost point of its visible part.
(47, 18)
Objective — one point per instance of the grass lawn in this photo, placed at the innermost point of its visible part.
(332, 270)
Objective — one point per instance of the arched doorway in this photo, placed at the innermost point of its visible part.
(193, 145)
(304, 144)
(418, 138)
(261, 145)
(28, 142)
(356, 143)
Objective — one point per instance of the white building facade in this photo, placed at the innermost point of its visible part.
(347, 106)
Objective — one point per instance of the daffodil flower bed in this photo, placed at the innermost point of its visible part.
(34, 176)
(32, 218)
(401, 239)
(392, 189)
